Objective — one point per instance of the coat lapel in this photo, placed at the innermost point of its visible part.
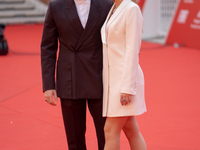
(117, 12)
(72, 15)
(94, 14)
(103, 29)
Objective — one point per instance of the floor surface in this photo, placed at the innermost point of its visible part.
(27, 122)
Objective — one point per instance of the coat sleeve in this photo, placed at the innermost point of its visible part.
(134, 22)
(49, 47)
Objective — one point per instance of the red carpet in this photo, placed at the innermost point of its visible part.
(172, 77)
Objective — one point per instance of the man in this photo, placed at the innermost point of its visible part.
(76, 24)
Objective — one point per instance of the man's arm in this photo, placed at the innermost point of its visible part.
(49, 47)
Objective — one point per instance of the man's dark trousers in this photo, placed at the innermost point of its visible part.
(76, 128)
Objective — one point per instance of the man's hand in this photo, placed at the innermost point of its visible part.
(125, 98)
(48, 94)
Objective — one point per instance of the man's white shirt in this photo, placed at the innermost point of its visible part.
(83, 9)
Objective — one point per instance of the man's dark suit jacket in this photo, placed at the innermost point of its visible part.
(79, 64)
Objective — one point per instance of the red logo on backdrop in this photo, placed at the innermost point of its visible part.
(185, 29)
(140, 3)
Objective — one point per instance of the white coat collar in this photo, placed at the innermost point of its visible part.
(103, 29)
(112, 18)
(117, 11)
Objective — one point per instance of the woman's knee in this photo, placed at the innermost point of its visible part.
(108, 130)
(113, 126)
(131, 128)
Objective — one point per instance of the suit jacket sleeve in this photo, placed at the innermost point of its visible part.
(49, 47)
(133, 33)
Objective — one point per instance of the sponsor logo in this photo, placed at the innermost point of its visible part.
(196, 22)
(198, 15)
(189, 1)
(182, 17)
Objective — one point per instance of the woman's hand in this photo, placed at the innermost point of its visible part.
(125, 98)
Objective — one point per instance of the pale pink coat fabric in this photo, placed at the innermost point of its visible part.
(121, 37)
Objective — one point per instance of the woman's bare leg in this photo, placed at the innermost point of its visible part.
(133, 134)
(112, 129)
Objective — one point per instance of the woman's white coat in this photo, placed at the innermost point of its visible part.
(121, 37)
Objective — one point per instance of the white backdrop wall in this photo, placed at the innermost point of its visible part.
(158, 16)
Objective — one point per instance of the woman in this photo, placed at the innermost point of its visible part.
(123, 78)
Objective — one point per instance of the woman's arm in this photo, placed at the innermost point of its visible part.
(134, 23)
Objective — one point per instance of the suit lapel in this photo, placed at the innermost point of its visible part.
(117, 12)
(94, 14)
(103, 29)
(72, 15)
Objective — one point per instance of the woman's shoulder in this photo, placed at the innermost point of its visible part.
(132, 10)
(132, 7)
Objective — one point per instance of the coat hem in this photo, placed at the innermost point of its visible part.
(125, 115)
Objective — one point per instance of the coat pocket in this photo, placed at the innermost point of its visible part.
(64, 80)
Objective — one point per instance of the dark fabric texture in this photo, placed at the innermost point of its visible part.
(74, 117)
(79, 60)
